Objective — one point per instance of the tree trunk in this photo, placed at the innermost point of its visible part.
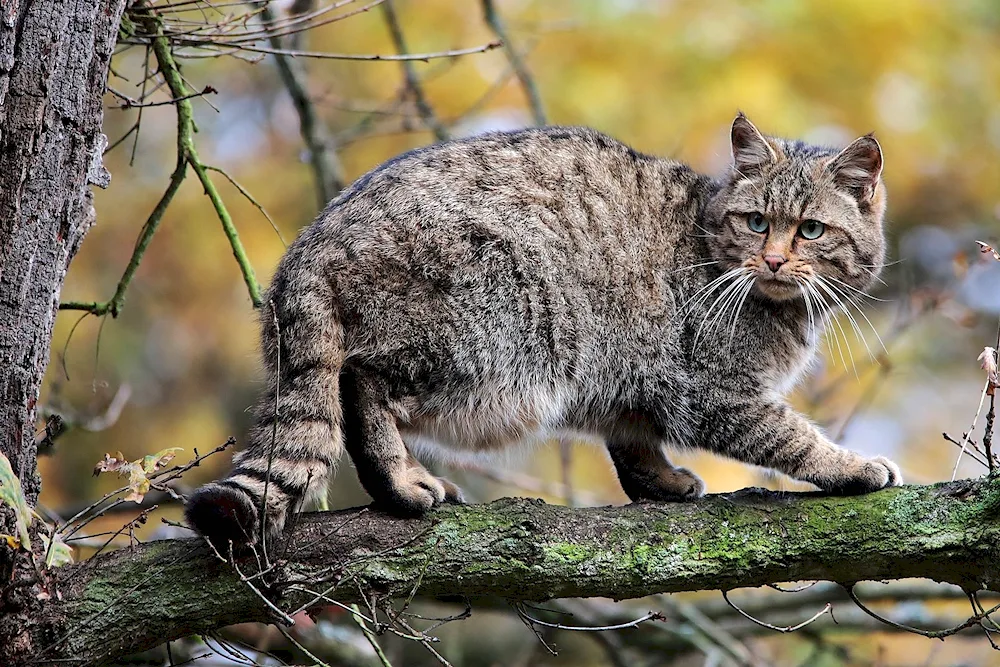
(135, 598)
(54, 57)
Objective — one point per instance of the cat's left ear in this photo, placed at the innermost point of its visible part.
(858, 167)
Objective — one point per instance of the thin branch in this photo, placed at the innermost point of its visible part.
(370, 636)
(327, 169)
(990, 417)
(976, 618)
(968, 434)
(168, 69)
(322, 55)
(828, 609)
(410, 74)
(973, 453)
(308, 654)
(516, 62)
(129, 103)
(651, 616)
(252, 200)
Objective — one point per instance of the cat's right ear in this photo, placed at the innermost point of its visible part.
(751, 152)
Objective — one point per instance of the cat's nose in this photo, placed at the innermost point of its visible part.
(774, 262)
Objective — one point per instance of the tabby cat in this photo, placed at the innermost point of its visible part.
(483, 292)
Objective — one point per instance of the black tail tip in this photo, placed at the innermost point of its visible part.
(224, 515)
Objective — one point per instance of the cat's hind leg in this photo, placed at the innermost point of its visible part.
(388, 472)
(645, 473)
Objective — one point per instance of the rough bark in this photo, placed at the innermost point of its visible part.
(132, 599)
(54, 57)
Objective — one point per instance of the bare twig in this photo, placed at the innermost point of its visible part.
(372, 57)
(425, 641)
(516, 62)
(976, 618)
(975, 419)
(252, 200)
(651, 616)
(990, 417)
(975, 454)
(129, 103)
(316, 661)
(410, 74)
(369, 635)
(327, 169)
(828, 609)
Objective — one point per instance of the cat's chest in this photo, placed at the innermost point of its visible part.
(758, 340)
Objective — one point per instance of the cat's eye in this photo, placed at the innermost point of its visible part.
(811, 229)
(757, 222)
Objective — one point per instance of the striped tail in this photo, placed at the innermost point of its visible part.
(296, 438)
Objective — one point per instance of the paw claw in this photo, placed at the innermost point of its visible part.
(895, 477)
(420, 492)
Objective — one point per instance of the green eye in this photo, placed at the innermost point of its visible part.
(757, 223)
(811, 229)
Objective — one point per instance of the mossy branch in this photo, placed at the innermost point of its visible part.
(519, 549)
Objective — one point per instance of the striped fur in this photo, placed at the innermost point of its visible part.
(483, 292)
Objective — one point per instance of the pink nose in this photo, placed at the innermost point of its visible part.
(774, 262)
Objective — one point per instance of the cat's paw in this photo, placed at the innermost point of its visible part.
(419, 491)
(870, 475)
(667, 484)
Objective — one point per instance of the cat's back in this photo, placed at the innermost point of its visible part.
(560, 198)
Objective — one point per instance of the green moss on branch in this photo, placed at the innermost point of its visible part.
(522, 549)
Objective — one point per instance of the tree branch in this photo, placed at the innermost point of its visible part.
(527, 550)
(327, 169)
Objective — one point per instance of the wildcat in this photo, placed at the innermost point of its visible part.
(480, 292)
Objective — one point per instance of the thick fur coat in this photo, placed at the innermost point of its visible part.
(477, 293)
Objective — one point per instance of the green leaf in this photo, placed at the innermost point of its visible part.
(11, 494)
(59, 553)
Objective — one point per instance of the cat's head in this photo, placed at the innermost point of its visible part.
(798, 217)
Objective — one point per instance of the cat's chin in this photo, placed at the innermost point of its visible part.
(778, 290)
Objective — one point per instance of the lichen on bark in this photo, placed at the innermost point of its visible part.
(527, 550)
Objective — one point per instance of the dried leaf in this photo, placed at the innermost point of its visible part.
(987, 249)
(111, 464)
(154, 462)
(138, 483)
(137, 471)
(59, 553)
(988, 362)
(11, 494)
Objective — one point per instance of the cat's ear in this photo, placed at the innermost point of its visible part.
(857, 168)
(751, 151)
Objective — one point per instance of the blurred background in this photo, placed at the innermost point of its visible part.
(178, 367)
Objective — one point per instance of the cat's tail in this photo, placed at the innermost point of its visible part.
(296, 437)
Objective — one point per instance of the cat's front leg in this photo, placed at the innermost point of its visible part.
(773, 435)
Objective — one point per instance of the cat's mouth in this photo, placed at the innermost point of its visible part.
(778, 289)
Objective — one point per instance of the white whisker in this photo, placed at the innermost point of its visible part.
(708, 313)
(736, 315)
(862, 312)
(855, 289)
(694, 266)
(706, 291)
(837, 326)
(854, 323)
